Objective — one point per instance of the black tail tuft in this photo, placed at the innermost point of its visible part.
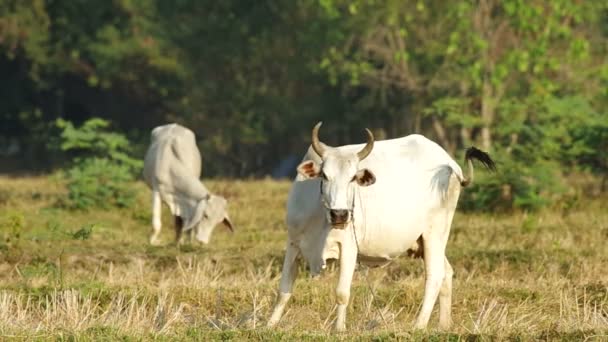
(484, 158)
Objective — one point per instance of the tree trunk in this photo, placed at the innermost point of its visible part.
(488, 106)
(418, 123)
(514, 138)
(465, 136)
(442, 135)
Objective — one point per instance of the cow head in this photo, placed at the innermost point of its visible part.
(211, 211)
(339, 173)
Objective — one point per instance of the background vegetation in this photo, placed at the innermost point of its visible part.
(526, 80)
(83, 82)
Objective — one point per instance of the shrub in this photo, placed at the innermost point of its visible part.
(92, 140)
(516, 184)
(11, 224)
(101, 183)
(102, 170)
(535, 151)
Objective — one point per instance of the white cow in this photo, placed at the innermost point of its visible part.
(371, 203)
(172, 169)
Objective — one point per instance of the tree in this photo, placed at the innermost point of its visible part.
(523, 79)
(58, 62)
(491, 72)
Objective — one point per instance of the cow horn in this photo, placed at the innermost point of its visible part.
(368, 147)
(316, 144)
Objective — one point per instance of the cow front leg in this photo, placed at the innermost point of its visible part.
(288, 277)
(178, 223)
(156, 222)
(434, 267)
(191, 234)
(445, 298)
(348, 261)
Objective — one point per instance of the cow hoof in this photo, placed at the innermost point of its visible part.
(420, 327)
(154, 242)
(443, 326)
(340, 329)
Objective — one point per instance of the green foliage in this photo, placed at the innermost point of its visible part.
(516, 184)
(525, 80)
(83, 233)
(98, 182)
(40, 267)
(92, 139)
(24, 29)
(12, 224)
(102, 173)
(543, 139)
(506, 76)
(79, 60)
(453, 111)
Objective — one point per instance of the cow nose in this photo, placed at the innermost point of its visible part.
(338, 215)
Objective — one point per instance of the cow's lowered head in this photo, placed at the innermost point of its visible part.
(339, 173)
(210, 211)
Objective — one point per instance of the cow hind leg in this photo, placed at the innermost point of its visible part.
(156, 220)
(434, 266)
(445, 293)
(288, 277)
(438, 271)
(445, 298)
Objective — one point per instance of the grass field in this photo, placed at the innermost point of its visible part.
(93, 276)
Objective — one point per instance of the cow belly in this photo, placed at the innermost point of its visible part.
(373, 261)
(389, 237)
(388, 243)
(387, 226)
(376, 247)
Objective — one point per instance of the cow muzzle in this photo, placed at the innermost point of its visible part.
(339, 218)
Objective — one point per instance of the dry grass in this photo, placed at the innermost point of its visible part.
(518, 277)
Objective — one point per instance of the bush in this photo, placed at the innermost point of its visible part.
(560, 135)
(102, 170)
(516, 184)
(100, 183)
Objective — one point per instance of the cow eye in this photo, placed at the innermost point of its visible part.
(354, 178)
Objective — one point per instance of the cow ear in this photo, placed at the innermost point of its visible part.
(365, 177)
(226, 221)
(309, 169)
(197, 215)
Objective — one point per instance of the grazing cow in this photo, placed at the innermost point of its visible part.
(371, 203)
(172, 169)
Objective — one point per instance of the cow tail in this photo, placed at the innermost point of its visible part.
(481, 156)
